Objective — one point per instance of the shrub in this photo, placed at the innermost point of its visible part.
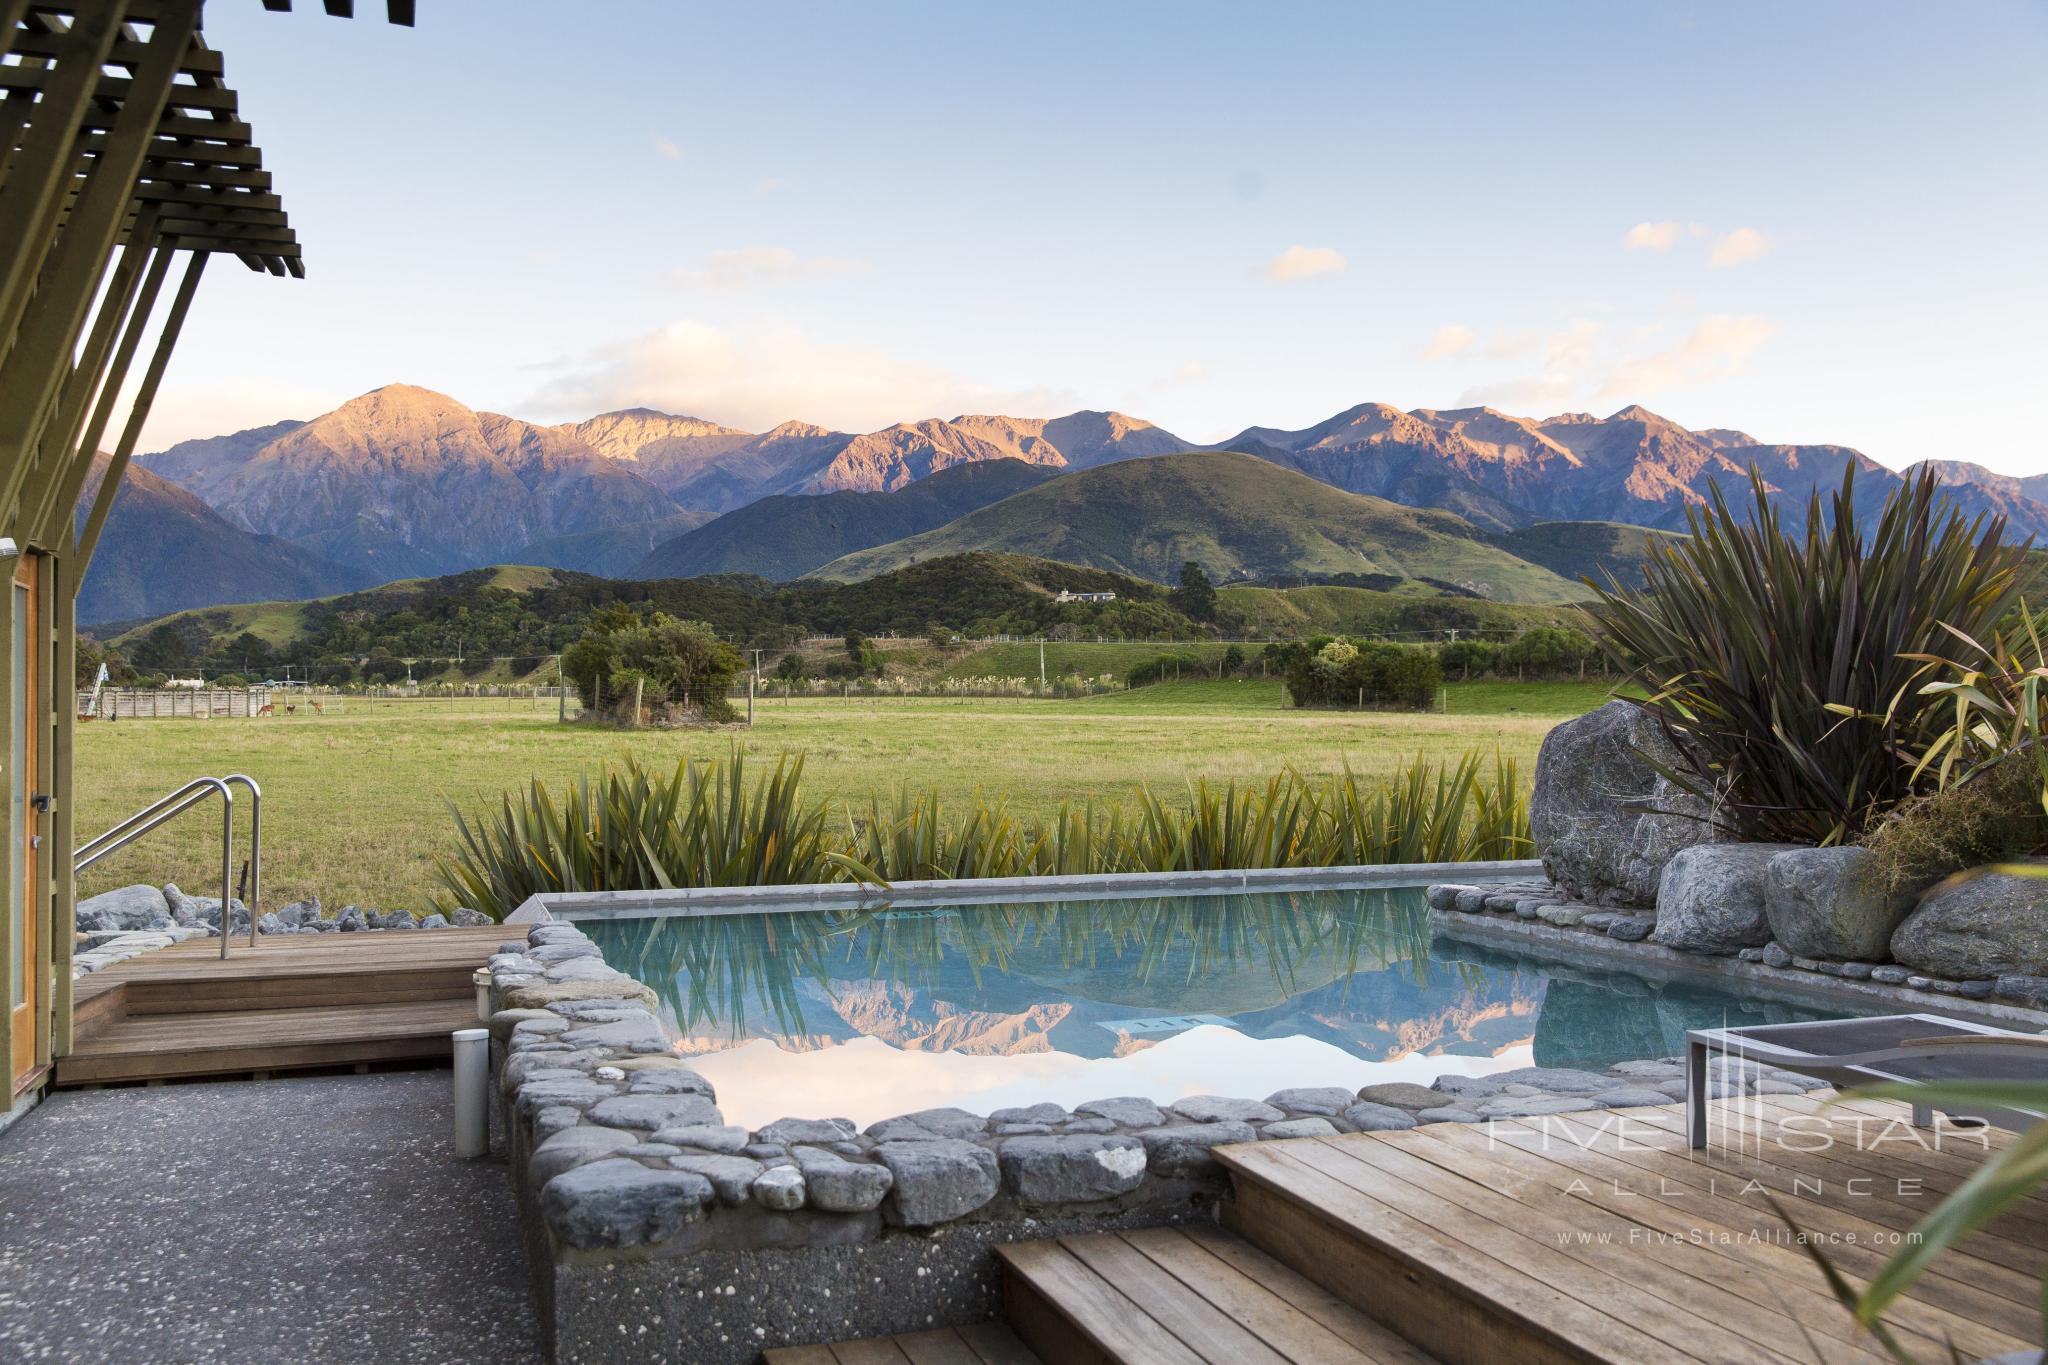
(705, 825)
(1328, 672)
(1163, 667)
(1546, 651)
(1774, 658)
(1467, 657)
(665, 659)
(1993, 817)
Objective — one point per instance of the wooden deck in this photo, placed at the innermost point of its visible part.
(292, 1001)
(1592, 1237)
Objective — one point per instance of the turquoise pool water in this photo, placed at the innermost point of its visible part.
(865, 1014)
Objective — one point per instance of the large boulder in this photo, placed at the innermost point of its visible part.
(124, 910)
(1711, 898)
(1605, 821)
(1833, 903)
(1993, 924)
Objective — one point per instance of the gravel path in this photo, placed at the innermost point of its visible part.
(315, 1219)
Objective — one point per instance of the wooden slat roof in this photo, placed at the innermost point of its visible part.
(203, 170)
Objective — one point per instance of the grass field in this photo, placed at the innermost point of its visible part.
(355, 808)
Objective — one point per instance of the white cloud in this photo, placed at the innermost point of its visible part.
(1304, 263)
(749, 267)
(1719, 346)
(760, 378)
(1743, 244)
(1653, 236)
(667, 150)
(767, 185)
(1449, 342)
(1567, 355)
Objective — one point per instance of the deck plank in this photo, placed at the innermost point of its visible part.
(1100, 1320)
(1203, 1328)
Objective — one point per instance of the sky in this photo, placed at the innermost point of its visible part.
(1819, 222)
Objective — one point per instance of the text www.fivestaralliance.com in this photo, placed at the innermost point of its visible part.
(1878, 1237)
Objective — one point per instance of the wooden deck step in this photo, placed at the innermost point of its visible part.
(983, 1343)
(1600, 1238)
(226, 1042)
(1192, 1295)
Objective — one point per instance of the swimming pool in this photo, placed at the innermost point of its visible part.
(868, 1013)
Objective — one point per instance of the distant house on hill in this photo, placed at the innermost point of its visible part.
(1066, 596)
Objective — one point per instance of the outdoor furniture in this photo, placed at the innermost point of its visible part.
(1914, 1048)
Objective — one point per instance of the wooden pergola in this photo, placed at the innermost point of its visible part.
(122, 149)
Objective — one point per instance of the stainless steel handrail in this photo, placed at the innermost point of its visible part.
(255, 858)
(163, 810)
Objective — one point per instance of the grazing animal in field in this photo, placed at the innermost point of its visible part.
(268, 708)
(317, 707)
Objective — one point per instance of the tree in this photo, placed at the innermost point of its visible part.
(670, 660)
(163, 650)
(1195, 598)
(790, 667)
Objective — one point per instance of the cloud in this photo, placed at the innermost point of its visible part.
(1304, 263)
(750, 267)
(1567, 355)
(1719, 346)
(759, 378)
(667, 150)
(767, 185)
(1743, 244)
(1653, 236)
(1449, 342)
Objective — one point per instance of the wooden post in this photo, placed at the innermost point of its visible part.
(639, 693)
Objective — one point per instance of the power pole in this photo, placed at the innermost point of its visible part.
(753, 686)
(1041, 666)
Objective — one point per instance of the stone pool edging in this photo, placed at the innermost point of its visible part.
(642, 1209)
(1542, 919)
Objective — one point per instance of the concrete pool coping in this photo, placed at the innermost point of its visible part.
(1545, 942)
(727, 900)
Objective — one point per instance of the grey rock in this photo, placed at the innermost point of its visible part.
(1564, 916)
(1751, 955)
(1020, 1129)
(465, 918)
(1629, 1097)
(939, 1179)
(1223, 1109)
(2024, 988)
(125, 910)
(1368, 1117)
(437, 920)
(653, 1112)
(1556, 1080)
(1993, 924)
(1807, 964)
(780, 1188)
(1128, 1110)
(1632, 928)
(1183, 1149)
(1034, 1113)
(350, 920)
(955, 1123)
(1448, 1113)
(1312, 1126)
(299, 912)
(731, 1177)
(1659, 1068)
(788, 1131)
(1711, 897)
(1889, 974)
(271, 924)
(1599, 921)
(1466, 1087)
(712, 1137)
(837, 1185)
(1088, 1125)
(535, 1096)
(1072, 1169)
(1855, 971)
(1592, 774)
(564, 950)
(621, 1203)
(1400, 1094)
(1832, 903)
(1527, 909)
(886, 1129)
(765, 1151)
(1470, 902)
(1776, 956)
(641, 1033)
(1324, 1099)
(668, 1083)
(1919, 983)
(573, 1147)
(549, 1122)
(1444, 895)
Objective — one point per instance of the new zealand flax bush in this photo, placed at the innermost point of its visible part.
(1774, 656)
(708, 824)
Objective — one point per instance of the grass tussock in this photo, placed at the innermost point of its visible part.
(709, 824)
(1994, 817)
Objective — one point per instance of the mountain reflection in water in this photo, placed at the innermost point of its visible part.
(1315, 981)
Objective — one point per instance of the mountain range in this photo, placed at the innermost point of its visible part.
(404, 481)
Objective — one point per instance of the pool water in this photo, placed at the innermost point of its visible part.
(869, 1013)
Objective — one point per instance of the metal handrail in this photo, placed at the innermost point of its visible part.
(165, 809)
(255, 859)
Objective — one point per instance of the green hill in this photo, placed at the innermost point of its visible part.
(1283, 613)
(787, 536)
(1585, 549)
(1236, 515)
